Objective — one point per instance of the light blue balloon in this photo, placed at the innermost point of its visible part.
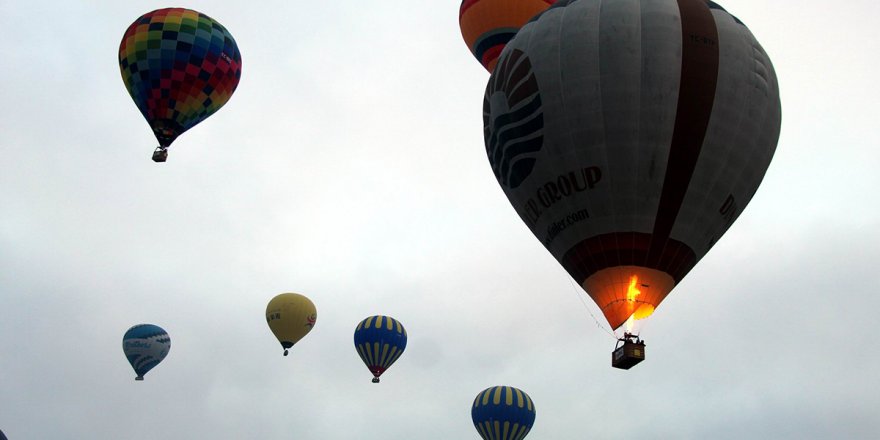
(145, 345)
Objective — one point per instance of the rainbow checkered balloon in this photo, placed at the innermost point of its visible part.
(179, 66)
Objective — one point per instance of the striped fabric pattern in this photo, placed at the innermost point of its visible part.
(503, 413)
(379, 340)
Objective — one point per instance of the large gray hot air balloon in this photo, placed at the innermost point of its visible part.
(629, 135)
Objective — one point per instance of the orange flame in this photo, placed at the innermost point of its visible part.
(631, 293)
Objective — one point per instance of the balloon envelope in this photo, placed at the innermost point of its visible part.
(379, 341)
(487, 25)
(179, 66)
(145, 345)
(629, 136)
(503, 413)
(290, 316)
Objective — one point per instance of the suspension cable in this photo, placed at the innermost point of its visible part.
(578, 293)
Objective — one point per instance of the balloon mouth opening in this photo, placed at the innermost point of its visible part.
(628, 294)
(166, 131)
(377, 371)
(286, 345)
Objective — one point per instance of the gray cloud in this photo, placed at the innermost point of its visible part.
(349, 167)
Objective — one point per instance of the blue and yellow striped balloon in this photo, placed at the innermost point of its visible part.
(503, 413)
(379, 340)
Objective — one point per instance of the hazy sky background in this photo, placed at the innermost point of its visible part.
(349, 166)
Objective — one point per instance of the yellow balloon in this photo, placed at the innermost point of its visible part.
(290, 317)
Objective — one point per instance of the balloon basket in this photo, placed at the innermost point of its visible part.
(139, 378)
(375, 380)
(160, 155)
(630, 353)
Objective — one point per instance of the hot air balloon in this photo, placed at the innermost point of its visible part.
(145, 345)
(290, 316)
(503, 413)
(179, 66)
(487, 25)
(379, 341)
(629, 136)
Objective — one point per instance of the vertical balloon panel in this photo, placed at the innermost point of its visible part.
(745, 119)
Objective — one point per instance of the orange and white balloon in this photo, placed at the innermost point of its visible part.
(487, 25)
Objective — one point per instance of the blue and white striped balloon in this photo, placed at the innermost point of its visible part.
(145, 345)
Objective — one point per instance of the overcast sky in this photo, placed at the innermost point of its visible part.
(349, 166)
